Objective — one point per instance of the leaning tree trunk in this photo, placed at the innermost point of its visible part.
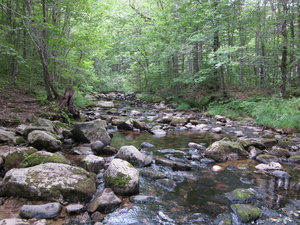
(67, 101)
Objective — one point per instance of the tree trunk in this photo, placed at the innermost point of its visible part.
(68, 102)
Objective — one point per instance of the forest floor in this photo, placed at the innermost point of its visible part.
(16, 106)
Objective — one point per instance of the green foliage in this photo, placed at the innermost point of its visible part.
(273, 112)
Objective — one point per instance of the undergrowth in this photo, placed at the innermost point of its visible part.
(272, 112)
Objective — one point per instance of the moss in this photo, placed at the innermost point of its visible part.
(38, 158)
(14, 159)
(119, 182)
(20, 140)
(247, 212)
(130, 165)
(227, 221)
(244, 193)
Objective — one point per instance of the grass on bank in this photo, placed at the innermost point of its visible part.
(272, 112)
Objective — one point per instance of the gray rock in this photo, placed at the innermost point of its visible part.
(75, 208)
(216, 130)
(105, 104)
(280, 174)
(173, 164)
(7, 137)
(108, 150)
(16, 221)
(105, 202)
(122, 177)
(146, 145)
(132, 155)
(91, 131)
(226, 150)
(221, 118)
(266, 158)
(44, 140)
(93, 163)
(97, 218)
(97, 147)
(50, 182)
(47, 211)
(142, 199)
(193, 145)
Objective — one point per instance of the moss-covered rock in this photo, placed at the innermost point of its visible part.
(266, 158)
(280, 152)
(179, 121)
(269, 142)
(247, 142)
(50, 182)
(14, 158)
(44, 140)
(246, 213)
(226, 150)
(294, 159)
(122, 177)
(42, 157)
(242, 195)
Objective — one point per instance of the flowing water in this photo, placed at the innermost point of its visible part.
(196, 196)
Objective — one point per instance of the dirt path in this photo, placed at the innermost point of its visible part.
(16, 106)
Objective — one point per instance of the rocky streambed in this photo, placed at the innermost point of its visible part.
(134, 162)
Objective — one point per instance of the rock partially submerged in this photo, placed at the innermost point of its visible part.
(226, 150)
(91, 131)
(132, 155)
(122, 177)
(50, 182)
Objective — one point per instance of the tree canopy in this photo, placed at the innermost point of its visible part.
(167, 47)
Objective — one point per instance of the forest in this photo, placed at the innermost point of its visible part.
(235, 57)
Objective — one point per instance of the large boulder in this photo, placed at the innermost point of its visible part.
(122, 177)
(105, 202)
(132, 155)
(95, 130)
(44, 140)
(50, 182)
(42, 157)
(226, 150)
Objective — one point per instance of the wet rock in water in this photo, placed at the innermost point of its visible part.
(193, 145)
(7, 137)
(246, 213)
(207, 161)
(44, 140)
(158, 132)
(266, 158)
(254, 152)
(221, 118)
(131, 123)
(152, 174)
(97, 218)
(122, 177)
(142, 199)
(80, 150)
(146, 145)
(14, 158)
(247, 142)
(42, 157)
(16, 221)
(226, 150)
(50, 182)
(280, 152)
(132, 155)
(75, 209)
(216, 130)
(105, 104)
(173, 164)
(280, 174)
(178, 121)
(217, 168)
(93, 163)
(269, 166)
(97, 147)
(242, 195)
(47, 211)
(223, 219)
(269, 143)
(167, 184)
(105, 202)
(294, 159)
(91, 131)
(109, 150)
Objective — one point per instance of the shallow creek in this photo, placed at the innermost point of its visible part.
(197, 195)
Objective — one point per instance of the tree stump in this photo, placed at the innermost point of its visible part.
(68, 102)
